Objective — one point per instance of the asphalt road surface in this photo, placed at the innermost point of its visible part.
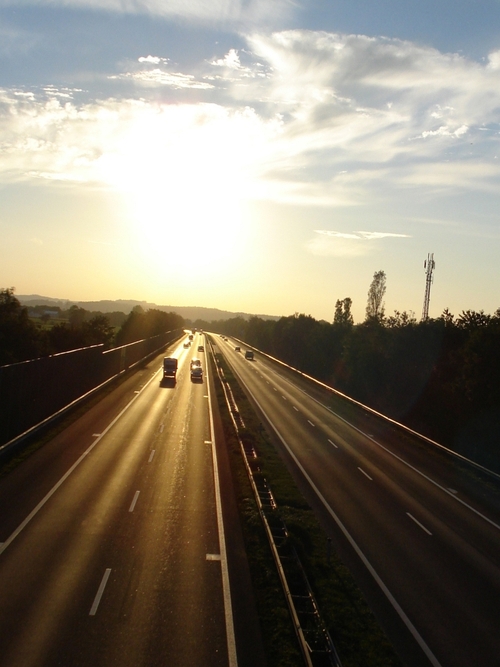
(113, 538)
(421, 535)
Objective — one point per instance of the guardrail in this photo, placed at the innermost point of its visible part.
(34, 393)
(315, 642)
(379, 415)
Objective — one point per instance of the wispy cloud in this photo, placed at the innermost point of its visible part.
(228, 12)
(347, 244)
(364, 236)
(158, 77)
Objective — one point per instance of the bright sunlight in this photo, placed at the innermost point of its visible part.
(184, 171)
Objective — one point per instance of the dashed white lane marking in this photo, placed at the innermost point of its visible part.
(136, 495)
(96, 435)
(100, 591)
(419, 524)
(454, 491)
(56, 486)
(213, 557)
(332, 443)
(162, 426)
(207, 442)
(284, 398)
(365, 474)
(296, 409)
(310, 422)
(151, 455)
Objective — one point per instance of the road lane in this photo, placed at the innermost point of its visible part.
(444, 585)
(122, 564)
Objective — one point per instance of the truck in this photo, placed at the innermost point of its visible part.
(169, 368)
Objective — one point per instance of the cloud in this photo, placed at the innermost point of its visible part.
(227, 12)
(318, 118)
(361, 235)
(347, 244)
(158, 77)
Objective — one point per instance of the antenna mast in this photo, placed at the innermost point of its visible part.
(429, 266)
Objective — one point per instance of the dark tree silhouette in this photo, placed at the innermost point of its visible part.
(376, 293)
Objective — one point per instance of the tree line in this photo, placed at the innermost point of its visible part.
(440, 376)
(23, 338)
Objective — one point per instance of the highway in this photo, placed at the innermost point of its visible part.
(421, 536)
(114, 546)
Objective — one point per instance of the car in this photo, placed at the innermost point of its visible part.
(197, 373)
(187, 344)
(201, 348)
(237, 348)
(249, 355)
(194, 363)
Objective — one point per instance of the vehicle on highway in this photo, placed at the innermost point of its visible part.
(187, 344)
(194, 363)
(201, 348)
(237, 348)
(169, 368)
(197, 373)
(249, 355)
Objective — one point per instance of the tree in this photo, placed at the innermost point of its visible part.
(376, 293)
(343, 316)
(76, 316)
(472, 319)
(19, 337)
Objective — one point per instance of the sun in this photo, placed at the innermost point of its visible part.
(182, 173)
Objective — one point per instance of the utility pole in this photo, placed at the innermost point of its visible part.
(429, 266)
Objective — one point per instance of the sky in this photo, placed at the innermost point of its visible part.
(248, 155)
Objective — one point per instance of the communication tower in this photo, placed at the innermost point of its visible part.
(429, 266)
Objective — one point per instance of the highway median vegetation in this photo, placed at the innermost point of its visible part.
(358, 638)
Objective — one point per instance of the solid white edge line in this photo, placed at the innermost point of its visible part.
(100, 591)
(413, 630)
(47, 497)
(132, 506)
(419, 524)
(226, 589)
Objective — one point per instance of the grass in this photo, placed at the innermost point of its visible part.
(358, 638)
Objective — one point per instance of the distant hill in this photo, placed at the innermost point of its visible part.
(191, 313)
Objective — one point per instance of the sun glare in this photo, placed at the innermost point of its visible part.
(183, 177)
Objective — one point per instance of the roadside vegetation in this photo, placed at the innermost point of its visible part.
(357, 636)
(45, 330)
(439, 376)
